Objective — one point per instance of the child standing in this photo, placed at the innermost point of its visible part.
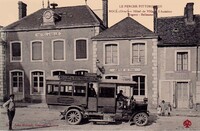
(169, 109)
(159, 110)
(162, 108)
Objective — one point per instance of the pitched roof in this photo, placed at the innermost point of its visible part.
(73, 16)
(174, 31)
(127, 28)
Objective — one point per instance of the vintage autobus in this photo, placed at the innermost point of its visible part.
(87, 96)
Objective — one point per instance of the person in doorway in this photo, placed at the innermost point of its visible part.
(122, 99)
(91, 92)
(10, 105)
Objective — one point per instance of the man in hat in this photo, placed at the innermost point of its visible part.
(10, 105)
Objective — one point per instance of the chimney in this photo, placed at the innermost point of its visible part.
(188, 13)
(105, 12)
(54, 5)
(22, 9)
(155, 17)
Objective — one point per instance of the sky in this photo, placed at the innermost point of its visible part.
(140, 10)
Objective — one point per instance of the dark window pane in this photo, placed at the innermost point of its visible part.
(16, 51)
(79, 91)
(107, 92)
(57, 73)
(111, 77)
(81, 49)
(142, 92)
(81, 72)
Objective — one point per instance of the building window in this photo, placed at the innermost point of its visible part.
(58, 50)
(16, 51)
(17, 81)
(111, 77)
(139, 88)
(81, 72)
(182, 61)
(138, 53)
(58, 73)
(37, 51)
(81, 49)
(111, 54)
(37, 82)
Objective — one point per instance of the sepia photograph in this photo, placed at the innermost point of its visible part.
(106, 65)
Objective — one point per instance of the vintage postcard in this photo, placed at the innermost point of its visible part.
(100, 65)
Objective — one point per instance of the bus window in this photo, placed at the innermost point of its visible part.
(66, 90)
(107, 92)
(79, 90)
(52, 89)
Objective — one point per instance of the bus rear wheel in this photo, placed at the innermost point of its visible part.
(73, 116)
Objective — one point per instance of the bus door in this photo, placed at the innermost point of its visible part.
(92, 97)
(79, 93)
(107, 97)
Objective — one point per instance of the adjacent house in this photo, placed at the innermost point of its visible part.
(178, 58)
(49, 42)
(2, 65)
(128, 52)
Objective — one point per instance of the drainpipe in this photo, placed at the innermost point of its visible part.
(197, 61)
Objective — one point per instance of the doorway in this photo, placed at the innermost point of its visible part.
(182, 94)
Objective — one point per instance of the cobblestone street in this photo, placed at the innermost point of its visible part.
(45, 119)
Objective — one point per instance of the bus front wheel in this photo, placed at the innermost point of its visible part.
(73, 116)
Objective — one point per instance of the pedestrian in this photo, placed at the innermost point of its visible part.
(162, 108)
(10, 105)
(169, 109)
(159, 109)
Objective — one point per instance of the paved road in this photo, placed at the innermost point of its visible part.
(45, 119)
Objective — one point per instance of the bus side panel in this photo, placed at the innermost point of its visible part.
(106, 105)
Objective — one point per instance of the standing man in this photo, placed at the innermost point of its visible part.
(10, 105)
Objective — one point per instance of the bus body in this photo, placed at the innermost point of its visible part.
(72, 93)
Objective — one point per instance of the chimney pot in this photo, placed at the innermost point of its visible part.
(22, 9)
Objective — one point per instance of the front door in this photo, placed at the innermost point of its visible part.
(17, 85)
(182, 94)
